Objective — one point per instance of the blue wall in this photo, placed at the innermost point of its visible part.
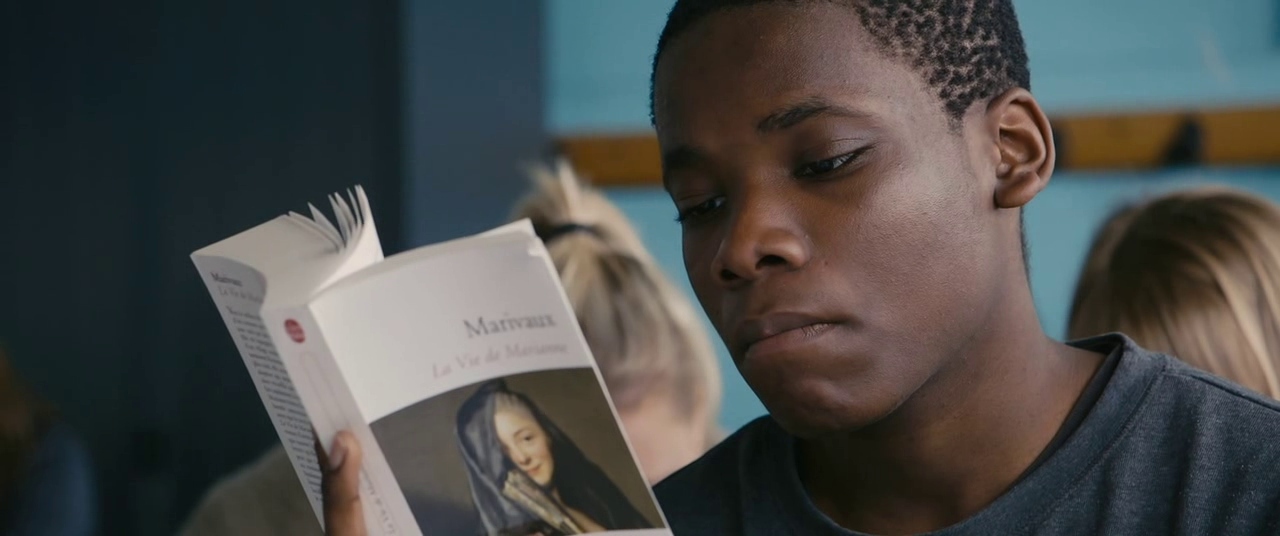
(1086, 55)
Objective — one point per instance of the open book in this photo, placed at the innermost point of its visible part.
(460, 367)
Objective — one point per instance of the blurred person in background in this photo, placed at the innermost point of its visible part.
(1194, 274)
(46, 480)
(652, 349)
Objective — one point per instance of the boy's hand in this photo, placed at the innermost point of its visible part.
(343, 514)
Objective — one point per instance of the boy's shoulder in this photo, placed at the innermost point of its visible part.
(1208, 419)
(1201, 449)
(707, 496)
(1188, 402)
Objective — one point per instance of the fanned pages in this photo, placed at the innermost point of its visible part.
(324, 223)
(311, 225)
(438, 359)
(346, 220)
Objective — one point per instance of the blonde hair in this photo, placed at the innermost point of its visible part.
(643, 331)
(1195, 274)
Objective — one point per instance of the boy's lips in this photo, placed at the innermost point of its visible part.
(774, 332)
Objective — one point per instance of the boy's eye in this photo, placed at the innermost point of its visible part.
(700, 210)
(823, 167)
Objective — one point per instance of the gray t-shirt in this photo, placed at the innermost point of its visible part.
(1161, 449)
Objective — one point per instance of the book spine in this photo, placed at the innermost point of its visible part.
(333, 408)
(238, 292)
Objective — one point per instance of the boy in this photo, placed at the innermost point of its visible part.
(849, 177)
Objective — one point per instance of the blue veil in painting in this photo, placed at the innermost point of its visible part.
(511, 503)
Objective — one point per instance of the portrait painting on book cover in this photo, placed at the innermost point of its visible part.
(538, 453)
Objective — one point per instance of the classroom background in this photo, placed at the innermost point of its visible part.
(134, 133)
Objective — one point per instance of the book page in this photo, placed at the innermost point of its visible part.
(329, 403)
(429, 346)
(238, 292)
(448, 304)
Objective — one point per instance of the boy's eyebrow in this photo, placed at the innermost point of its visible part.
(678, 157)
(683, 156)
(794, 114)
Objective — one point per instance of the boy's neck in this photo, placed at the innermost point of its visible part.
(960, 441)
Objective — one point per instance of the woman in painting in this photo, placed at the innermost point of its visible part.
(527, 477)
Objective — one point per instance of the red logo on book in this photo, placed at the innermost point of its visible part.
(295, 331)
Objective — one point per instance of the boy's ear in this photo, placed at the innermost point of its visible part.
(1024, 142)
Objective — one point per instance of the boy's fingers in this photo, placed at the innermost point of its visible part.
(343, 513)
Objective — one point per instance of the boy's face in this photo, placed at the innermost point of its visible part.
(823, 189)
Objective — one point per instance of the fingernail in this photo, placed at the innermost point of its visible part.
(337, 454)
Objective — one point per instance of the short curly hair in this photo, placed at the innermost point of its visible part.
(967, 51)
